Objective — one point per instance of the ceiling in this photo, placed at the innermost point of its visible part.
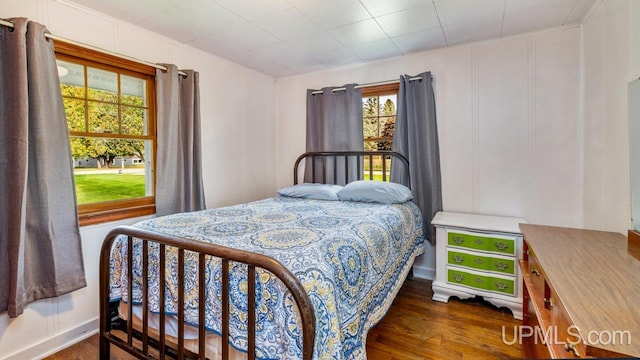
(287, 37)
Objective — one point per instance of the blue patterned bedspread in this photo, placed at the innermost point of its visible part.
(351, 258)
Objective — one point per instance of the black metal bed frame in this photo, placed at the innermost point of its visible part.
(348, 157)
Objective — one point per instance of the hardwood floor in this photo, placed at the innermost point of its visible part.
(414, 328)
(418, 328)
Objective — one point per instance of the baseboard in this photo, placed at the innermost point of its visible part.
(58, 342)
(423, 272)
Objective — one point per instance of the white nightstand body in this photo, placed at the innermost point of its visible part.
(477, 255)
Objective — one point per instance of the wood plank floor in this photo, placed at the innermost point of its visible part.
(414, 328)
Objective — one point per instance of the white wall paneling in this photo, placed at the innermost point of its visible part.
(503, 133)
(455, 75)
(555, 158)
(608, 35)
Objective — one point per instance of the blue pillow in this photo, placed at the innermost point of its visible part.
(375, 192)
(312, 191)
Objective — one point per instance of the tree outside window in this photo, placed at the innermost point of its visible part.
(379, 116)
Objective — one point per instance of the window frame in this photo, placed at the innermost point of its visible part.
(379, 90)
(95, 213)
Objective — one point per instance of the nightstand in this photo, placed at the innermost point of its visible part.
(477, 255)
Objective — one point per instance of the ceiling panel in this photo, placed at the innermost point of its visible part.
(286, 37)
(288, 55)
(314, 42)
(376, 50)
(383, 7)
(420, 41)
(527, 15)
(466, 32)
(579, 11)
(358, 33)
(244, 37)
(409, 21)
(329, 14)
(466, 11)
(171, 27)
(251, 10)
(337, 57)
(207, 16)
(161, 5)
(286, 24)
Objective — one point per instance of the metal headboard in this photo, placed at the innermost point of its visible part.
(350, 158)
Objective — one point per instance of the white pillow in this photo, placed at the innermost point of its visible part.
(375, 192)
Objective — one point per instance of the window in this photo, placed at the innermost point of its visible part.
(378, 118)
(110, 108)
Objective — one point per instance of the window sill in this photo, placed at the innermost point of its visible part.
(98, 217)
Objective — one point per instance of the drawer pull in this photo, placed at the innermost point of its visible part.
(502, 285)
(458, 259)
(572, 349)
(458, 277)
(479, 241)
(458, 240)
(502, 266)
(479, 261)
(535, 272)
(501, 245)
(479, 280)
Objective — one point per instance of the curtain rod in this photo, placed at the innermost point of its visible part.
(91, 47)
(386, 82)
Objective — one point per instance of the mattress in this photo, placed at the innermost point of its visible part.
(351, 258)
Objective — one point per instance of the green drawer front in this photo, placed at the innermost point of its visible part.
(481, 282)
(482, 262)
(484, 243)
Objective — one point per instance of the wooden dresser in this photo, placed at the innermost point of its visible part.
(581, 294)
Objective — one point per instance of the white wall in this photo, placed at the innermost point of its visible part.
(611, 61)
(238, 133)
(509, 124)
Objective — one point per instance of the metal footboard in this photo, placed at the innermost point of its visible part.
(140, 348)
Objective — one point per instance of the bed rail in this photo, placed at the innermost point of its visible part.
(253, 261)
(326, 162)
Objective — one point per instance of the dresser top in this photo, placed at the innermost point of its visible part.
(596, 279)
(477, 222)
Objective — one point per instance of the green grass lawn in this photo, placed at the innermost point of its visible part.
(92, 188)
(376, 176)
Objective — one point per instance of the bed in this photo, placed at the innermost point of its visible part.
(319, 272)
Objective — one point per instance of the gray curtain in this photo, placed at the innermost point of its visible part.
(334, 123)
(179, 186)
(40, 246)
(416, 137)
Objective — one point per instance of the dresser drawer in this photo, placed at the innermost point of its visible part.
(535, 347)
(481, 281)
(536, 274)
(482, 242)
(501, 265)
(568, 342)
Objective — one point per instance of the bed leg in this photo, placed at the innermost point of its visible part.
(410, 276)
